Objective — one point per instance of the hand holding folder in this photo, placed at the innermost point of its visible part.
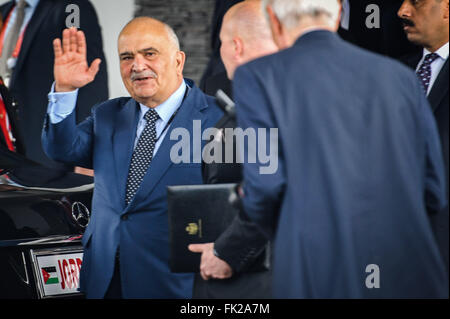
(198, 214)
(211, 266)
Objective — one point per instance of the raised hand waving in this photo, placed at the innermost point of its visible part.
(71, 70)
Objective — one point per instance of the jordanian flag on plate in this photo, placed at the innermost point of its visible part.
(50, 275)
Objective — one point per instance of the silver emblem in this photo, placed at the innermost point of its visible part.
(81, 214)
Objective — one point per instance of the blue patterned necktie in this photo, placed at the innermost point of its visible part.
(424, 72)
(142, 155)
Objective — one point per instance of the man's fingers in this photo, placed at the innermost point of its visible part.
(57, 48)
(81, 41)
(73, 40)
(204, 273)
(204, 277)
(95, 66)
(66, 40)
(196, 248)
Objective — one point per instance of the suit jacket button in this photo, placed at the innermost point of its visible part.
(124, 217)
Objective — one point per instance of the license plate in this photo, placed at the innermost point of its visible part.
(57, 271)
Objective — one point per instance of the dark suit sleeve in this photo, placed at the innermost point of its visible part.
(240, 244)
(69, 143)
(435, 192)
(96, 91)
(263, 192)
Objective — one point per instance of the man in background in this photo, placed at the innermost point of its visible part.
(237, 257)
(215, 76)
(426, 24)
(26, 62)
(359, 163)
(9, 123)
(374, 25)
(9, 132)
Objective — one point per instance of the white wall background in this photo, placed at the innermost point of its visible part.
(113, 15)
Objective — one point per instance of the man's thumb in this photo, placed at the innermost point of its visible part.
(95, 66)
(196, 248)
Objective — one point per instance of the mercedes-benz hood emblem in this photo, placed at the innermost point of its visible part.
(80, 214)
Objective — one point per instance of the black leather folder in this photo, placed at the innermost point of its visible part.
(197, 214)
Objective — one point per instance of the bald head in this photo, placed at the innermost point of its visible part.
(154, 25)
(245, 35)
(247, 21)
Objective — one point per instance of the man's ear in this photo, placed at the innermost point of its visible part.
(238, 49)
(180, 59)
(278, 32)
(338, 22)
(446, 9)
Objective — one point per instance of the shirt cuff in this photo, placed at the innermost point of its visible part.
(60, 104)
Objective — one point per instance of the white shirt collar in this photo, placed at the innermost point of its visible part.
(442, 51)
(166, 109)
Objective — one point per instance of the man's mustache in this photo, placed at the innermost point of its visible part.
(407, 23)
(143, 74)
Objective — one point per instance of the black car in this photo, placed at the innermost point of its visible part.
(43, 213)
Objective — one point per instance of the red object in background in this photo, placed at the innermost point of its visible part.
(5, 127)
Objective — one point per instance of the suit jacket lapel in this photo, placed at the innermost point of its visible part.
(189, 110)
(440, 87)
(6, 9)
(123, 141)
(39, 15)
(413, 60)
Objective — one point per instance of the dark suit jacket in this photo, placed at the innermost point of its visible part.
(439, 101)
(105, 143)
(359, 162)
(11, 110)
(215, 173)
(241, 245)
(33, 75)
(34, 175)
(217, 81)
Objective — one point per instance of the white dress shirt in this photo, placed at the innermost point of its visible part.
(62, 104)
(345, 15)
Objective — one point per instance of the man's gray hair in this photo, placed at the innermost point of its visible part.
(173, 36)
(290, 12)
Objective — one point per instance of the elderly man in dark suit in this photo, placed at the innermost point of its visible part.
(426, 24)
(128, 142)
(28, 68)
(359, 163)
